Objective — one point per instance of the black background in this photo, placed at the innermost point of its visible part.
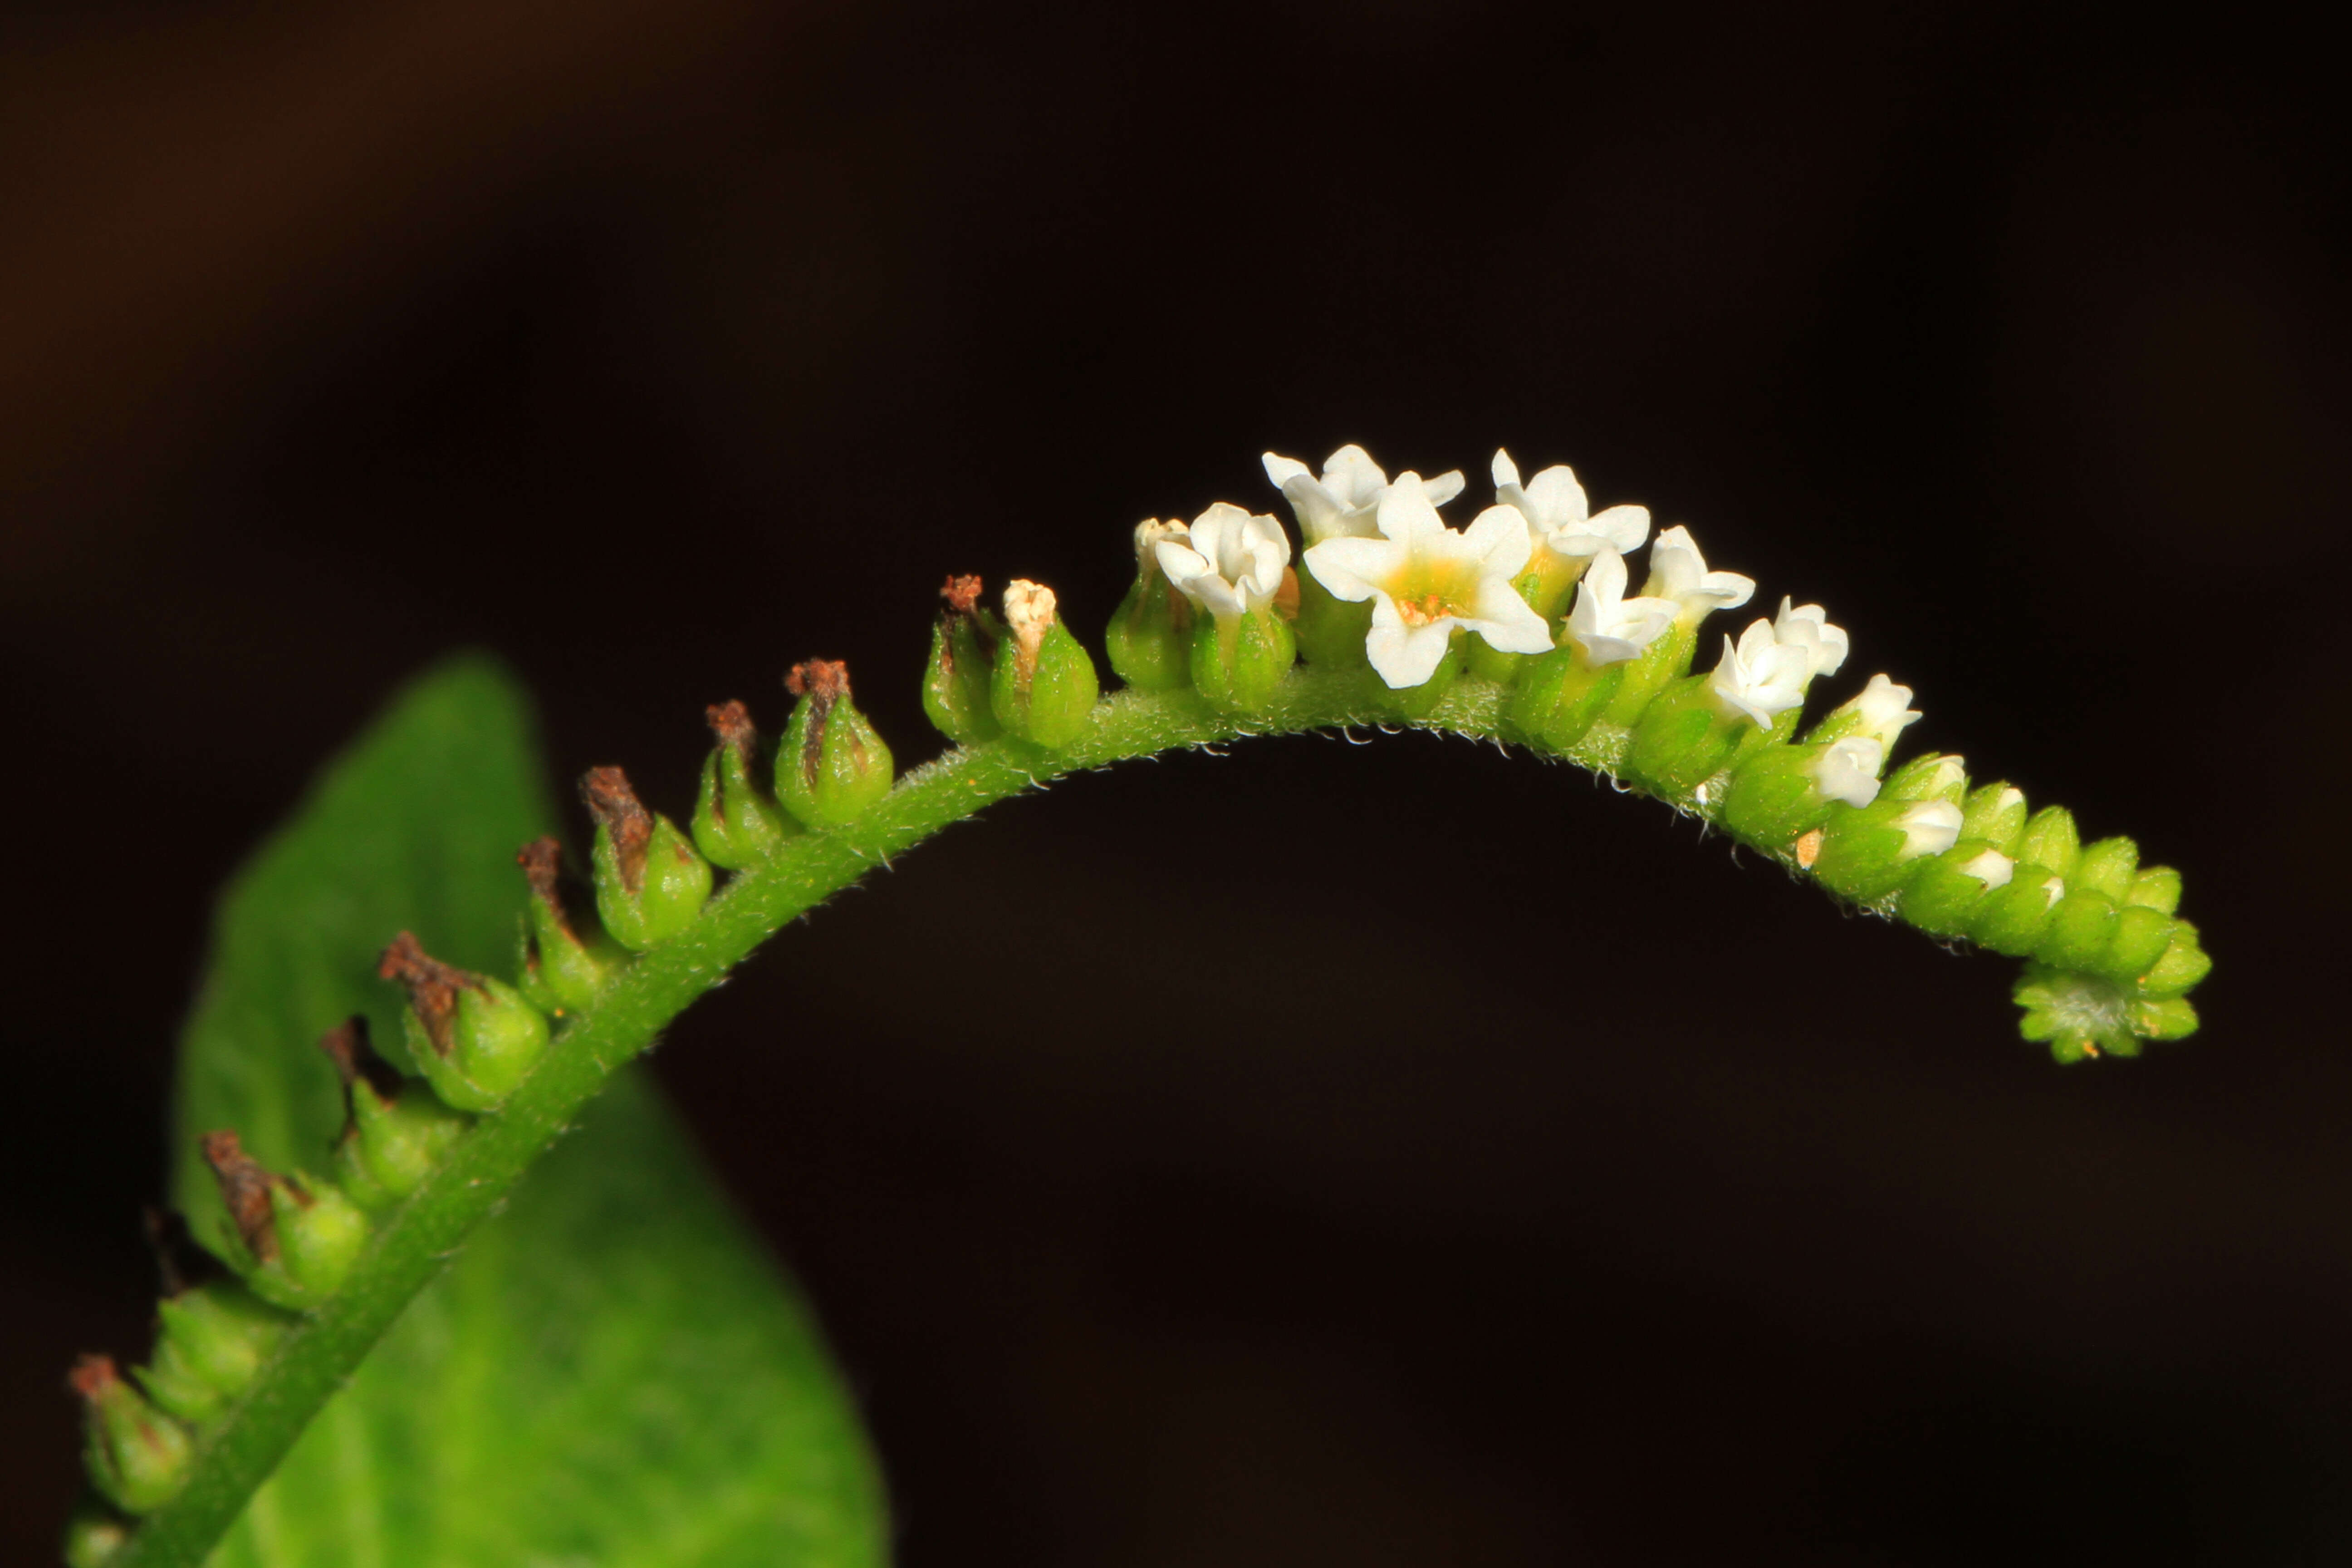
(1393, 1155)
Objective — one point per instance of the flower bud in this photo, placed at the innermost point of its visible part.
(296, 1236)
(1238, 661)
(2139, 941)
(1869, 852)
(473, 1038)
(396, 1129)
(94, 1535)
(2171, 1019)
(1685, 736)
(2012, 918)
(1943, 896)
(1930, 778)
(650, 882)
(964, 644)
(1150, 638)
(831, 767)
(1994, 813)
(1883, 711)
(561, 970)
(1556, 697)
(1046, 689)
(210, 1343)
(2107, 867)
(1657, 666)
(2082, 923)
(1330, 630)
(2184, 964)
(2156, 888)
(2049, 839)
(137, 1455)
(736, 826)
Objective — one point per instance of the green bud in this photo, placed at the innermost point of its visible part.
(2141, 936)
(2157, 888)
(137, 1455)
(396, 1131)
(963, 666)
(1930, 778)
(212, 1343)
(1774, 798)
(831, 767)
(2171, 1019)
(1684, 737)
(297, 1236)
(2081, 926)
(2107, 867)
(1421, 701)
(1660, 664)
(473, 1038)
(94, 1535)
(2184, 964)
(1150, 635)
(1556, 697)
(1944, 895)
(1331, 630)
(1994, 813)
(561, 970)
(1545, 585)
(2049, 840)
(1045, 688)
(736, 826)
(1238, 661)
(650, 882)
(1868, 852)
(2012, 920)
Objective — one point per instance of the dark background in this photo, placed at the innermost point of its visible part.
(1397, 1155)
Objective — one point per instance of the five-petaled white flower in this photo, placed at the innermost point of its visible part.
(1884, 710)
(1760, 675)
(1344, 503)
(1848, 769)
(1610, 627)
(1808, 626)
(1232, 564)
(1558, 519)
(1678, 571)
(1425, 580)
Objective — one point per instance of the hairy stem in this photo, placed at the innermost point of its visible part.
(412, 1244)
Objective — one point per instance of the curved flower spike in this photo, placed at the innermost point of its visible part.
(1678, 571)
(1610, 627)
(1344, 502)
(1232, 563)
(1762, 676)
(1425, 580)
(1808, 626)
(1558, 516)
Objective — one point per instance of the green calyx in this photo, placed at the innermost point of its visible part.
(293, 1238)
(831, 767)
(962, 669)
(94, 1535)
(736, 826)
(1150, 638)
(210, 1343)
(650, 881)
(137, 1457)
(1330, 630)
(1044, 686)
(1238, 661)
(472, 1036)
(561, 971)
(395, 1130)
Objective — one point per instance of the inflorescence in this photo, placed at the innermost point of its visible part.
(1532, 598)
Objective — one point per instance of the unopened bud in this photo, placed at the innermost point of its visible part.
(137, 1455)
(1994, 813)
(736, 826)
(2107, 867)
(1868, 852)
(297, 1236)
(2010, 918)
(1943, 896)
(832, 768)
(2184, 964)
(2140, 938)
(562, 968)
(473, 1038)
(2156, 888)
(1685, 737)
(1556, 697)
(210, 1344)
(2082, 924)
(94, 1535)
(650, 882)
(1930, 778)
(964, 645)
(1150, 638)
(1238, 661)
(1044, 684)
(2049, 839)
(397, 1128)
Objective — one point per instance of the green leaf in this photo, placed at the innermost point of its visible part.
(613, 1373)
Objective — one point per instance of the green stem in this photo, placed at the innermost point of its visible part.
(416, 1241)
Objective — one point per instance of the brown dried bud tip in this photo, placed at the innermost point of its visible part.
(541, 860)
(247, 1189)
(183, 1264)
(356, 1062)
(614, 806)
(432, 986)
(731, 723)
(92, 1375)
(827, 680)
(962, 595)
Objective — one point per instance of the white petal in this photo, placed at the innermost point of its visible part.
(1282, 470)
(1353, 568)
(1406, 513)
(1498, 539)
(1505, 472)
(1405, 655)
(1557, 500)
(1623, 527)
(1507, 621)
(1929, 828)
(1443, 487)
(1992, 868)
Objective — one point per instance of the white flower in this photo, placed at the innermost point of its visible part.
(1425, 580)
(1554, 505)
(1929, 828)
(1344, 502)
(1678, 571)
(1760, 675)
(1233, 564)
(1991, 867)
(1150, 534)
(1848, 770)
(1610, 627)
(1808, 626)
(1884, 710)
